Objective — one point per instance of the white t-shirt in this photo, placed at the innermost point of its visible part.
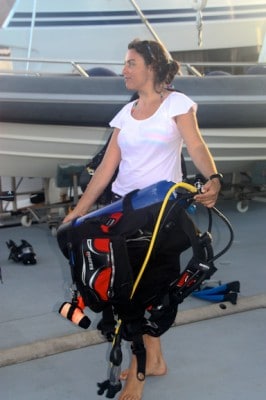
(150, 148)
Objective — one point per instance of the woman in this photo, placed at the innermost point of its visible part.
(146, 145)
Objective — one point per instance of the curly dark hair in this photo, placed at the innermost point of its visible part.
(154, 54)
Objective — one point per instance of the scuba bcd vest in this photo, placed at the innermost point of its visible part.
(127, 255)
(107, 248)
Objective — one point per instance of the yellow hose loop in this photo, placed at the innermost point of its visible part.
(189, 188)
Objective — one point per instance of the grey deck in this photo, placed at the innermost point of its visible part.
(218, 358)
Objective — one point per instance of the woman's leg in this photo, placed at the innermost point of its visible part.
(155, 365)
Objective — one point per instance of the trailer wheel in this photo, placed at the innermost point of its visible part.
(53, 231)
(242, 206)
(26, 221)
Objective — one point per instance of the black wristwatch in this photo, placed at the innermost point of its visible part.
(217, 176)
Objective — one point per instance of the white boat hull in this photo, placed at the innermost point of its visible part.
(31, 150)
(49, 121)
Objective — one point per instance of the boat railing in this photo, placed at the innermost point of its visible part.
(232, 68)
(39, 67)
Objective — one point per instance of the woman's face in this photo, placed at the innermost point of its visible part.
(136, 73)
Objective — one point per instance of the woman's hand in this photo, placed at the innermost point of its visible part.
(209, 193)
(72, 215)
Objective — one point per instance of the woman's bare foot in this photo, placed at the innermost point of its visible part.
(133, 388)
(155, 363)
(157, 369)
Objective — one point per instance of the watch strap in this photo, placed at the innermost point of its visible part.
(217, 176)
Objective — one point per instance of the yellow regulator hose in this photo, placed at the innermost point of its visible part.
(189, 188)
